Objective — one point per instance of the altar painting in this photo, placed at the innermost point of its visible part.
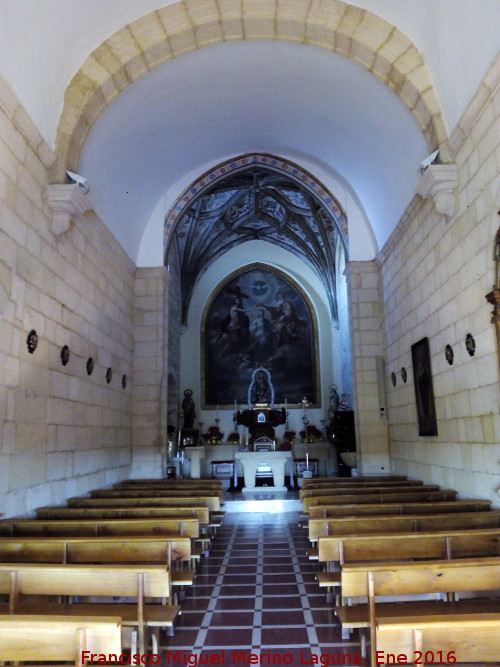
(258, 318)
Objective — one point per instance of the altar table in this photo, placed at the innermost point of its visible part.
(275, 460)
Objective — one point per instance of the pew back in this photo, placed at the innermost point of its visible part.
(449, 544)
(28, 637)
(213, 502)
(380, 509)
(386, 497)
(402, 524)
(97, 550)
(123, 512)
(313, 492)
(99, 528)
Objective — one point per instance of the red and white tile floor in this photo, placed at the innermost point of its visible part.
(256, 595)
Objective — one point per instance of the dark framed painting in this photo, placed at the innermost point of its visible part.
(424, 392)
(258, 318)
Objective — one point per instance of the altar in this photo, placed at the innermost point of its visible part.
(275, 460)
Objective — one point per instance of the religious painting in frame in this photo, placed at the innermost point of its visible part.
(424, 392)
(258, 318)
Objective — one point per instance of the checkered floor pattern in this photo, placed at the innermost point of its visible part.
(256, 594)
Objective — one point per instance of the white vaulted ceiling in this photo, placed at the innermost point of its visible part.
(314, 107)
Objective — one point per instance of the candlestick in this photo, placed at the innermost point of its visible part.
(307, 461)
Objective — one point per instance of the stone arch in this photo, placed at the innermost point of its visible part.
(273, 162)
(187, 25)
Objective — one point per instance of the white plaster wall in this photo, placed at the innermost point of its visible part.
(61, 431)
(329, 345)
(435, 275)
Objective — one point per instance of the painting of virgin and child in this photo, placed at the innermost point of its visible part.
(258, 319)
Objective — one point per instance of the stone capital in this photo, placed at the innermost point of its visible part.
(438, 182)
(66, 201)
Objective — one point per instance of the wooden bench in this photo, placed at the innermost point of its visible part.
(377, 479)
(446, 544)
(178, 499)
(99, 528)
(21, 580)
(380, 509)
(182, 492)
(467, 639)
(441, 577)
(124, 512)
(386, 497)
(30, 638)
(165, 481)
(173, 552)
(372, 490)
(416, 523)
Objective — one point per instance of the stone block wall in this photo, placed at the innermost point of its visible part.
(149, 422)
(61, 430)
(435, 274)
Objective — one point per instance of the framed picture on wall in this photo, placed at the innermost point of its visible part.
(424, 392)
(258, 318)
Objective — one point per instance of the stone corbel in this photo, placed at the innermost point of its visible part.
(438, 182)
(66, 201)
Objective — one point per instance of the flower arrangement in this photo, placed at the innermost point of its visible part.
(311, 434)
(233, 437)
(289, 436)
(213, 436)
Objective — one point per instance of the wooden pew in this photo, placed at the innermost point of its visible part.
(416, 523)
(386, 497)
(377, 479)
(468, 639)
(181, 492)
(174, 552)
(373, 580)
(186, 483)
(380, 509)
(213, 502)
(124, 512)
(373, 490)
(96, 528)
(31, 638)
(21, 580)
(342, 482)
(446, 544)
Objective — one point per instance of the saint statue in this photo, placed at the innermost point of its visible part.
(188, 409)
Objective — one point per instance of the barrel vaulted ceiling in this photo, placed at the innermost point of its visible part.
(144, 97)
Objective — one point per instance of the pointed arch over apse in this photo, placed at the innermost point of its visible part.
(256, 196)
(185, 26)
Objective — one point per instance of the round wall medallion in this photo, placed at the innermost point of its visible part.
(404, 374)
(64, 355)
(90, 366)
(393, 379)
(124, 381)
(449, 354)
(109, 375)
(470, 344)
(32, 341)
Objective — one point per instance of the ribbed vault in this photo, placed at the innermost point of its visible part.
(255, 202)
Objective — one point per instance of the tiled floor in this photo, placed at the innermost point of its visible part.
(256, 594)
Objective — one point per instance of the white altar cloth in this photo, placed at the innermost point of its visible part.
(275, 460)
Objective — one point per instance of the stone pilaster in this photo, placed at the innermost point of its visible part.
(150, 372)
(367, 345)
